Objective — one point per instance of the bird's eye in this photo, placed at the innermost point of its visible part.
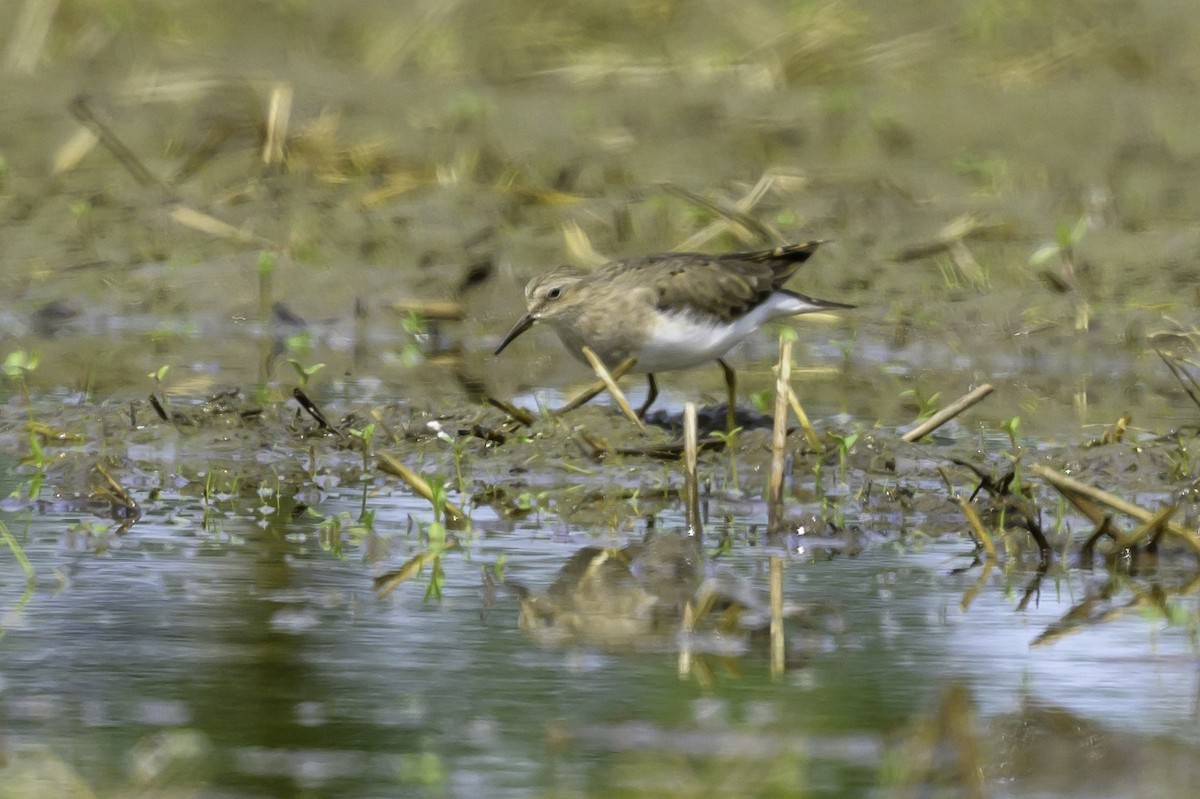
(554, 293)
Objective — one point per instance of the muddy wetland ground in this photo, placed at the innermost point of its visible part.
(270, 529)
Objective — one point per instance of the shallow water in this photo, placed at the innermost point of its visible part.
(282, 672)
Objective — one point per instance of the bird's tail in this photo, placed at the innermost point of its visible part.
(784, 260)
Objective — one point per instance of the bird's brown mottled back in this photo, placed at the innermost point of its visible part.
(723, 286)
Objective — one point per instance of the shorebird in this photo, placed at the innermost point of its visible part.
(671, 310)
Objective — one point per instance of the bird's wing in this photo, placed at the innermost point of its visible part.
(707, 285)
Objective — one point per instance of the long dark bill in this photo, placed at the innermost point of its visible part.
(523, 324)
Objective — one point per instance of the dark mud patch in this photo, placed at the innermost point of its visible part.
(126, 465)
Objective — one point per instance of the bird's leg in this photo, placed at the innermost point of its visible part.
(731, 387)
(651, 395)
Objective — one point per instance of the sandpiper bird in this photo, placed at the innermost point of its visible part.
(670, 311)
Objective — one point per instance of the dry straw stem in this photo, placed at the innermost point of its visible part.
(1152, 528)
(976, 524)
(68, 156)
(117, 489)
(968, 268)
(611, 384)
(740, 211)
(963, 227)
(685, 639)
(81, 108)
(948, 413)
(580, 246)
(779, 438)
(54, 434)
(942, 749)
(591, 391)
(1186, 381)
(969, 595)
(279, 114)
(1070, 488)
(431, 310)
(691, 483)
(599, 448)
(29, 35)
(743, 225)
(455, 518)
(518, 415)
(810, 434)
(384, 584)
(775, 579)
(205, 223)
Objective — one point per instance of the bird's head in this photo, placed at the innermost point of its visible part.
(548, 296)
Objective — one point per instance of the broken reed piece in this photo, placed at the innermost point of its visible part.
(518, 415)
(1070, 488)
(779, 437)
(591, 391)
(592, 446)
(80, 107)
(312, 410)
(947, 413)
(455, 518)
(118, 490)
(691, 483)
(210, 225)
(610, 383)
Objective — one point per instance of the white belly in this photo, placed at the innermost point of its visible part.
(679, 341)
(682, 340)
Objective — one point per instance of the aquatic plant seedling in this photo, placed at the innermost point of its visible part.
(1066, 239)
(454, 516)
(332, 529)
(729, 439)
(1010, 427)
(364, 436)
(844, 445)
(20, 363)
(14, 546)
(17, 366)
(926, 406)
(266, 272)
(458, 449)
